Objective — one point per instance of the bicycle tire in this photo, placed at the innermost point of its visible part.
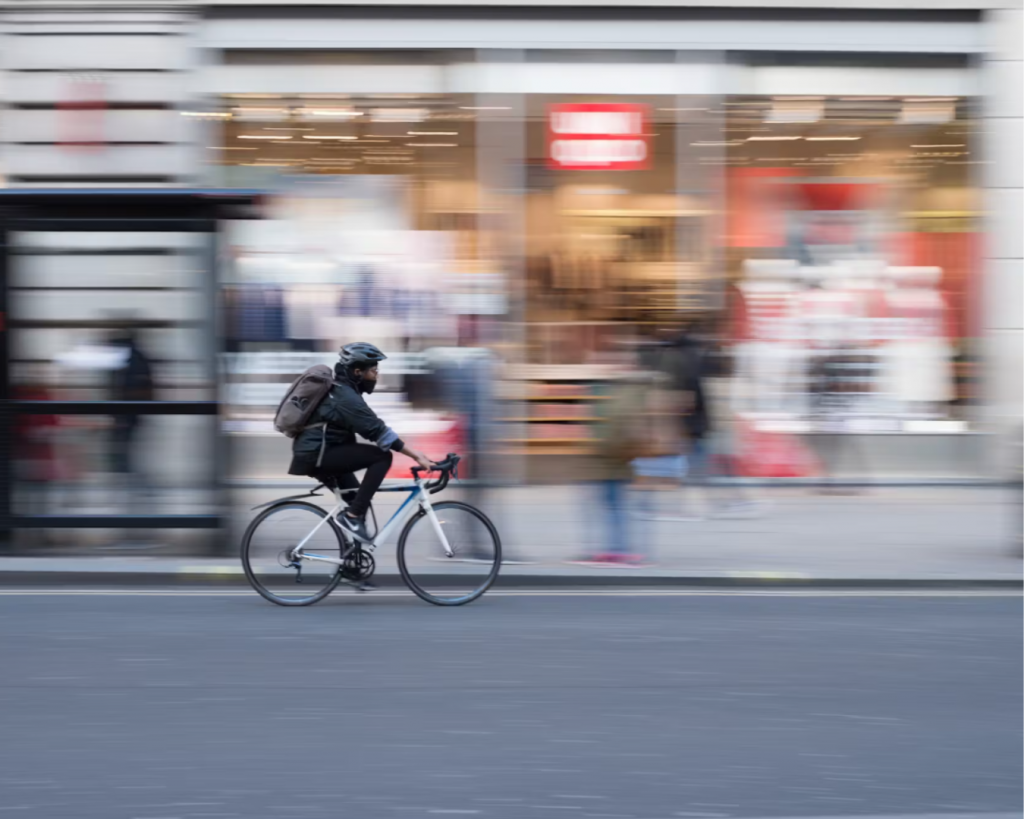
(459, 599)
(252, 576)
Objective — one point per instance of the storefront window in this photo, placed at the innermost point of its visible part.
(376, 232)
(825, 247)
(853, 247)
(611, 244)
(621, 242)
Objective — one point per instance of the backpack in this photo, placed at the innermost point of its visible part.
(302, 399)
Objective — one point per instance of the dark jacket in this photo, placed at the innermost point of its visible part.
(133, 381)
(340, 417)
(688, 369)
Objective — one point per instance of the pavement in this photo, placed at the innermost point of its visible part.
(190, 704)
(919, 536)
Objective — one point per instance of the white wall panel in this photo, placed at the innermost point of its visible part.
(587, 78)
(104, 271)
(829, 5)
(35, 16)
(47, 160)
(120, 126)
(95, 240)
(1007, 30)
(181, 343)
(583, 78)
(84, 306)
(287, 79)
(827, 80)
(1004, 222)
(1004, 368)
(118, 87)
(1005, 96)
(1003, 138)
(1004, 294)
(95, 52)
(773, 35)
(1003, 128)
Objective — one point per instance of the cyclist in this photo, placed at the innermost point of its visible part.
(327, 448)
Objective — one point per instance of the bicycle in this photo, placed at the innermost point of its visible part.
(293, 560)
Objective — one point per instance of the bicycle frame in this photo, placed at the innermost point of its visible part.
(417, 492)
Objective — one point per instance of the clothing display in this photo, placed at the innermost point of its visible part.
(918, 353)
(254, 312)
(305, 306)
(766, 329)
(883, 332)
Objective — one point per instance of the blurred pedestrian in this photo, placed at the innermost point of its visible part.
(469, 374)
(470, 377)
(691, 362)
(130, 380)
(623, 437)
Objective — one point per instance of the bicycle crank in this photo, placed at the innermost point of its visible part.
(360, 565)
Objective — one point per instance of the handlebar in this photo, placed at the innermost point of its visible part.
(449, 468)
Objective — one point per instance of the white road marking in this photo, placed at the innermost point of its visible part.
(823, 592)
(976, 815)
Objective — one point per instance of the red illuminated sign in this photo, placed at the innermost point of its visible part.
(598, 136)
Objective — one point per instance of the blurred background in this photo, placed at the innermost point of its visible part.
(800, 225)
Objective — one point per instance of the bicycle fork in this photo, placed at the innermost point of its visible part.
(432, 517)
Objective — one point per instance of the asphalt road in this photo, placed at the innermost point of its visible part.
(710, 706)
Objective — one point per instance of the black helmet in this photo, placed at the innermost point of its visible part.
(360, 354)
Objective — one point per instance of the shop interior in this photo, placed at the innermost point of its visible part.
(738, 203)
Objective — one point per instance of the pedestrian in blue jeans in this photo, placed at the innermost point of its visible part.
(619, 435)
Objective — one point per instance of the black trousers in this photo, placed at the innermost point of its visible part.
(339, 462)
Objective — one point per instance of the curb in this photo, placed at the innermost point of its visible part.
(737, 580)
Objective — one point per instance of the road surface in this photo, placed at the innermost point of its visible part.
(163, 704)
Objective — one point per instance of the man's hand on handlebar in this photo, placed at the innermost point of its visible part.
(424, 462)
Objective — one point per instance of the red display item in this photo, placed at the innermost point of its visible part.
(433, 445)
(771, 454)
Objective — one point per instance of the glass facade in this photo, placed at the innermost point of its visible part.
(827, 244)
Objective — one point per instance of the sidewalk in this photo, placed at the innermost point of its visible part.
(913, 536)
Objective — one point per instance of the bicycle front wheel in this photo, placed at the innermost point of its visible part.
(468, 573)
(267, 554)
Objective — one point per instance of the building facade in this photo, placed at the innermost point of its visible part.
(845, 180)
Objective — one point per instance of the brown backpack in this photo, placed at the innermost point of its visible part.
(302, 399)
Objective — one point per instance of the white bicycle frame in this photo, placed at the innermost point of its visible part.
(417, 492)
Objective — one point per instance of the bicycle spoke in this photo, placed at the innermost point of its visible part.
(468, 572)
(272, 563)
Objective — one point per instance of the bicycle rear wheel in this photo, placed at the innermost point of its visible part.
(266, 554)
(456, 580)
